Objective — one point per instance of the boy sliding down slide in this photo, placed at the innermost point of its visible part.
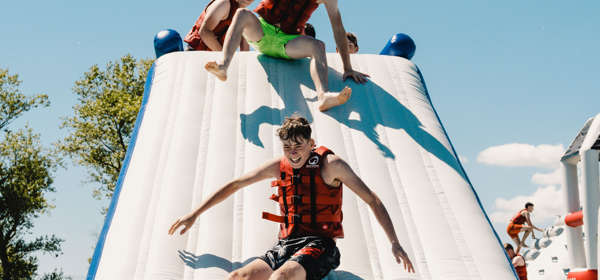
(309, 183)
(276, 32)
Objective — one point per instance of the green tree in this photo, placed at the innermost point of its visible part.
(25, 177)
(104, 118)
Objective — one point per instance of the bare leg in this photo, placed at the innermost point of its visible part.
(256, 270)
(518, 243)
(527, 232)
(290, 270)
(244, 23)
(305, 46)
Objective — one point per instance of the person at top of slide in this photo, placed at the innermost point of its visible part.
(208, 33)
(309, 30)
(517, 261)
(517, 225)
(309, 185)
(352, 43)
(276, 32)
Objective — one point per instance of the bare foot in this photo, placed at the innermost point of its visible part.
(216, 69)
(330, 100)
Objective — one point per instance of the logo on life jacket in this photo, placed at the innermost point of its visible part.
(313, 162)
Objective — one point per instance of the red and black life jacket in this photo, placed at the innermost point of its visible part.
(519, 218)
(290, 15)
(193, 37)
(521, 270)
(309, 206)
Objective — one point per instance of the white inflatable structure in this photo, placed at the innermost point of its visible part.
(581, 188)
(195, 133)
(547, 259)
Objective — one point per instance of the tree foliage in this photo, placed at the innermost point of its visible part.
(103, 119)
(25, 177)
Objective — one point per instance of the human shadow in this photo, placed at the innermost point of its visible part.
(288, 88)
(210, 260)
(373, 105)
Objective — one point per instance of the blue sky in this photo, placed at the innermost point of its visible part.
(499, 72)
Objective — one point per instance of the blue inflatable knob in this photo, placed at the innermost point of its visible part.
(400, 45)
(167, 41)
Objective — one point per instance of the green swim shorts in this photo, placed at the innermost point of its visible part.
(273, 41)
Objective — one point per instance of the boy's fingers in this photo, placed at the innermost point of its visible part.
(184, 230)
(174, 226)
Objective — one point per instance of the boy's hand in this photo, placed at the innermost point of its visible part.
(402, 256)
(187, 221)
(358, 77)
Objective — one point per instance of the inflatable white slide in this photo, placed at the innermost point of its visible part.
(195, 133)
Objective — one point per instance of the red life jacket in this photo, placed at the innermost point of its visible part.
(521, 270)
(290, 15)
(193, 37)
(309, 206)
(519, 218)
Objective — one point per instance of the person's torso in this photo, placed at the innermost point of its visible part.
(193, 37)
(522, 270)
(312, 206)
(289, 15)
(519, 218)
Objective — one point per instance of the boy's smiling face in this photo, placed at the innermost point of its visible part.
(297, 151)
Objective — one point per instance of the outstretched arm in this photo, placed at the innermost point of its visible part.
(528, 218)
(341, 171)
(339, 34)
(214, 14)
(268, 170)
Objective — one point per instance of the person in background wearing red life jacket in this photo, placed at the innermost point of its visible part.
(517, 261)
(208, 33)
(309, 186)
(352, 43)
(277, 32)
(517, 225)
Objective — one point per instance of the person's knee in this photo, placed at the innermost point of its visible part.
(318, 47)
(242, 14)
(286, 272)
(238, 275)
(280, 274)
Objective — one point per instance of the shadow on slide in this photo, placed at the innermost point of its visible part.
(373, 104)
(210, 260)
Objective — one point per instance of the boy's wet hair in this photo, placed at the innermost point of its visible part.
(528, 204)
(508, 246)
(295, 128)
(352, 38)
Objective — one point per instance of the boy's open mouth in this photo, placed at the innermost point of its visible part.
(295, 160)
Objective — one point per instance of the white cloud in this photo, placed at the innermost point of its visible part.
(552, 178)
(548, 204)
(522, 155)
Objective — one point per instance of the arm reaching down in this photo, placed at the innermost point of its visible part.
(268, 170)
(337, 169)
(339, 34)
(528, 218)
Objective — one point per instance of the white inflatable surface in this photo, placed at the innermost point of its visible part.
(196, 133)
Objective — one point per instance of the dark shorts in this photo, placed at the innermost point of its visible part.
(318, 255)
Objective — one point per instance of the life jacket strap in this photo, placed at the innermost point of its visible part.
(296, 219)
(319, 201)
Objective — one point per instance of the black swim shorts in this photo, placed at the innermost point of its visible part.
(318, 255)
